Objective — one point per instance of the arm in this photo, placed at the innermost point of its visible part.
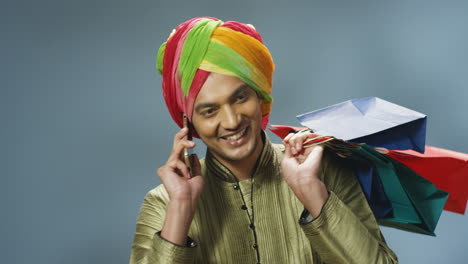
(148, 245)
(169, 209)
(344, 229)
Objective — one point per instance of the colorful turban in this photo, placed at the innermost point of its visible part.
(203, 45)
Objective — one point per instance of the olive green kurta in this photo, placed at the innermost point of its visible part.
(344, 232)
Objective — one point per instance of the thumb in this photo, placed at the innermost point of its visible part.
(314, 157)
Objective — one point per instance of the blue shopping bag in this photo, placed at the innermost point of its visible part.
(370, 120)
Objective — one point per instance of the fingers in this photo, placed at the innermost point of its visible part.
(287, 147)
(295, 142)
(178, 150)
(176, 163)
(180, 135)
(314, 156)
(177, 167)
(286, 139)
(180, 142)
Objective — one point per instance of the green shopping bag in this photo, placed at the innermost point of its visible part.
(417, 204)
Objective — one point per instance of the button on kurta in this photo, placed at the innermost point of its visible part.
(236, 187)
(243, 207)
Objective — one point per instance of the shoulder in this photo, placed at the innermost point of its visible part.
(332, 163)
(336, 172)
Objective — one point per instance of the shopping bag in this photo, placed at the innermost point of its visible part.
(372, 187)
(370, 120)
(398, 196)
(446, 169)
(417, 203)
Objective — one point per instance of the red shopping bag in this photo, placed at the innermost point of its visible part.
(446, 169)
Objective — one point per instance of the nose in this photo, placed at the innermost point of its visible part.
(230, 118)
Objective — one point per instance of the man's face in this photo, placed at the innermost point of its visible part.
(228, 118)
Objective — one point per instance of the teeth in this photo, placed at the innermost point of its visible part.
(236, 136)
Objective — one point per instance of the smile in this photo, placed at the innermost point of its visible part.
(237, 135)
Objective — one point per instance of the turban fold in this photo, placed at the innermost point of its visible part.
(203, 45)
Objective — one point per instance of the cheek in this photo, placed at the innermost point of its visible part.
(254, 109)
(205, 127)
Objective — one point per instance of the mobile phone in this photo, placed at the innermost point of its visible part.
(187, 151)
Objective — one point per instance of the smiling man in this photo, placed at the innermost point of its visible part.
(248, 200)
(228, 118)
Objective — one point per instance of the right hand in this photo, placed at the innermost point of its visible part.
(182, 185)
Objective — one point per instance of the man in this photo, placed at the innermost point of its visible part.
(248, 201)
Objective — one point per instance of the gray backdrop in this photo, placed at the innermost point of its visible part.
(84, 126)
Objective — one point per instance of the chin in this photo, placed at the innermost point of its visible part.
(234, 155)
(241, 154)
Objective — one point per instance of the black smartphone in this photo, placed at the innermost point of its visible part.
(187, 151)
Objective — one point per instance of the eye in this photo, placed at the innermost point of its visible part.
(208, 112)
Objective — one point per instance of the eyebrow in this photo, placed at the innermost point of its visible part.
(239, 89)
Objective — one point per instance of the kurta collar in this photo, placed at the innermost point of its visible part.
(223, 173)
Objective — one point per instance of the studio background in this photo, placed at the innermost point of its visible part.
(84, 125)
